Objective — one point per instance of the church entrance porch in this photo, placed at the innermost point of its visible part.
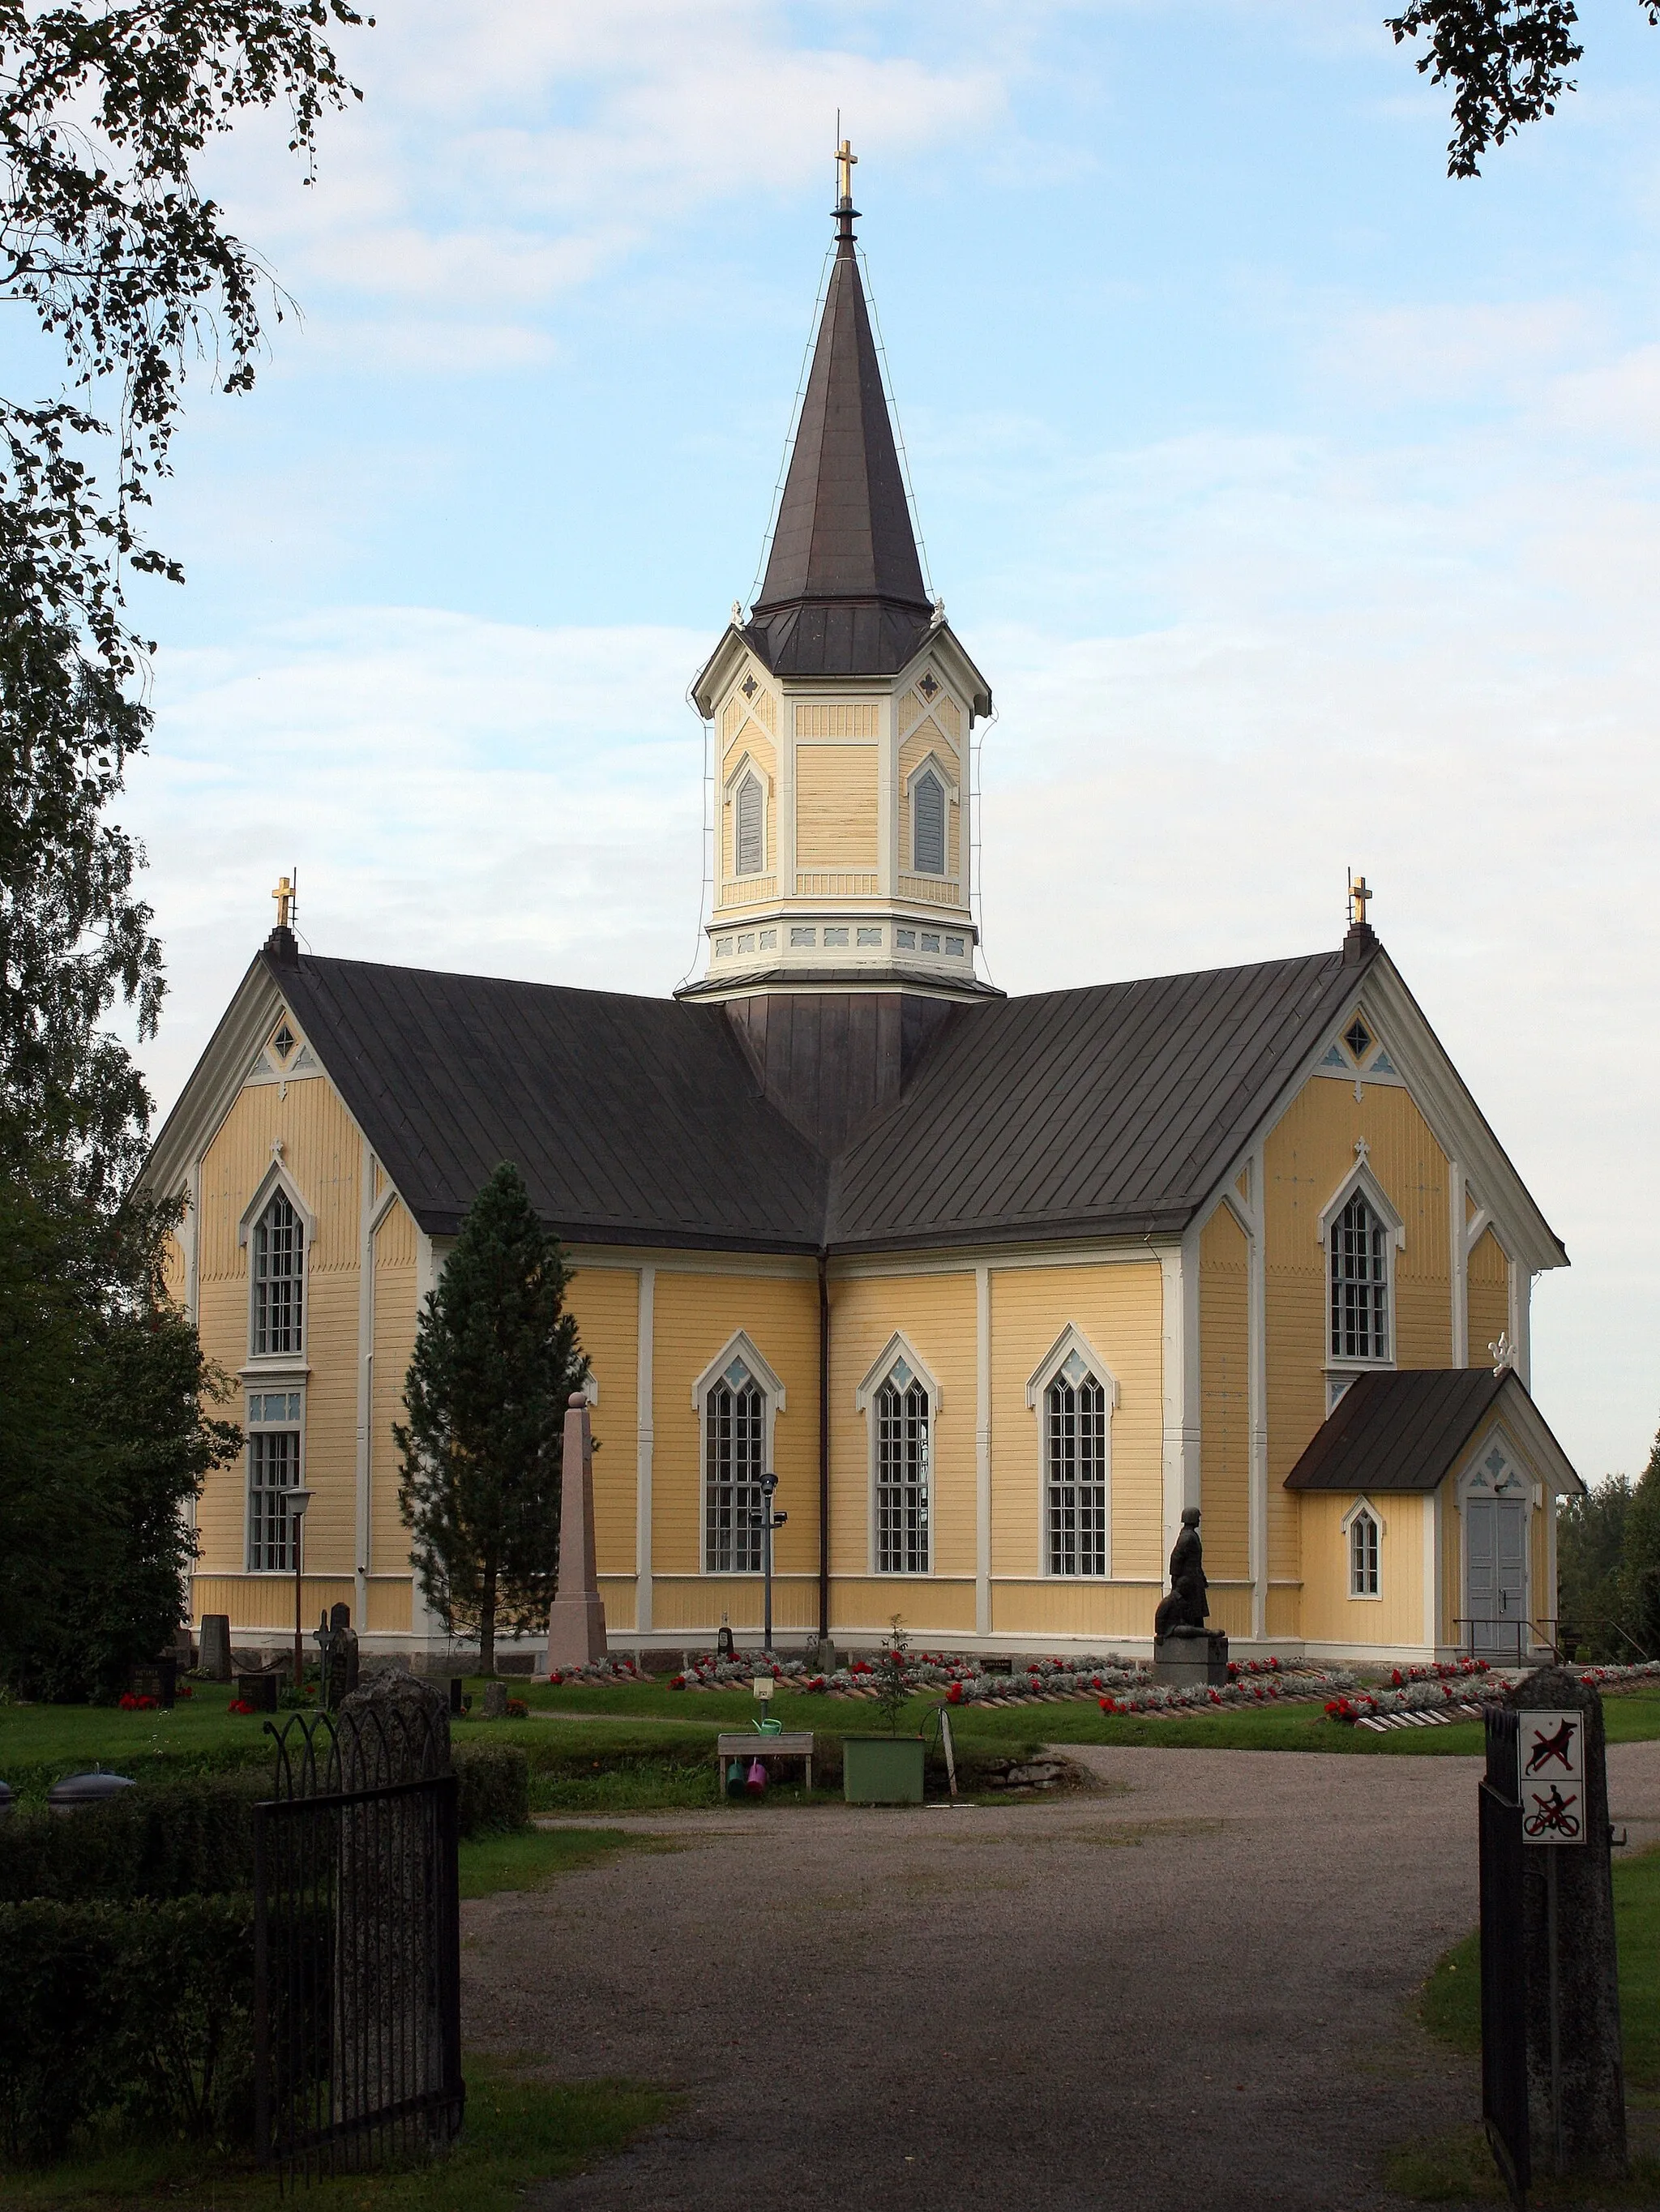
(1497, 1614)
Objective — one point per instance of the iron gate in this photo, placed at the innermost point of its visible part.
(358, 2029)
(1504, 1971)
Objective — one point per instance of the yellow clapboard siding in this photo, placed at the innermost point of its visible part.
(1330, 1615)
(1120, 1310)
(928, 737)
(617, 1594)
(1225, 1396)
(266, 1602)
(937, 1314)
(322, 1153)
(693, 1604)
(607, 1303)
(1284, 1613)
(752, 739)
(330, 1449)
(855, 718)
(390, 1609)
(868, 1604)
(836, 805)
(1100, 1612)
(1488, 1287)
(693, 1317)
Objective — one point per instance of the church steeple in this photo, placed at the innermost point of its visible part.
(844, 592)
(842, 710)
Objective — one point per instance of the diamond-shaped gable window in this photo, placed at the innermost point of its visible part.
(737, 1375)
(749, 686)
(900, 1375)
(284, 1041)
(1357, 1038)
(929, 686)
(1075, 1371)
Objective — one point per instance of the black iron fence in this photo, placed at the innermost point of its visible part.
(1504, 1974)
(356, 1947)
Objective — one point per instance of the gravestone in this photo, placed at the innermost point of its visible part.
(336, 1640)
(258, 1690)
(1185, 1652)
(1576, 2086)
(216, 1646)
(576, 1625)
(495, 1701)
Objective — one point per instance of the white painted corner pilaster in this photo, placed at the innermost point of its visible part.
(645, 1432)
(982, 1450)
(1179, 1267)
(1458, 1268)
(1256, 1392)
(1432, 1571)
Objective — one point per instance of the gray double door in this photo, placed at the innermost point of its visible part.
(1496, 1598)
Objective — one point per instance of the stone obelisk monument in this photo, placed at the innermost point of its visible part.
(577, 1626)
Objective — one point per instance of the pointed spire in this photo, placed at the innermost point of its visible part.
(844, 592)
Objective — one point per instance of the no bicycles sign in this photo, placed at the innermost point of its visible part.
(1550, 1755)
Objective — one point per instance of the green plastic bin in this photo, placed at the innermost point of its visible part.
(881, 1770)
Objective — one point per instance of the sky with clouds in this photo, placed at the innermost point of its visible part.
(1301, 505)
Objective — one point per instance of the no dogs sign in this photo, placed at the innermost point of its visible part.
(1550, 1753)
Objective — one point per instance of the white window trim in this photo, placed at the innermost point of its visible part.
(740, 1345)
(1363, 1506)
(747, 764)
(1071, 1339)
(257, 1386)
(277, 1177)
(1360, 1178)
(897, 1348)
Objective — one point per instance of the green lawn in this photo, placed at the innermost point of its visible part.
(648, 1748)
(519, 2131)
(528, 1858)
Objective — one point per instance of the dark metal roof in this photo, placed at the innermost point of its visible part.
(633, 1121)
(1113, 1109)
(1105, 1111)
(1399, 1431)
(844, 592)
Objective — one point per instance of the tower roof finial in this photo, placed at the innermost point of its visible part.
(846, 162)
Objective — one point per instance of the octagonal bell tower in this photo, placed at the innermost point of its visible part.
(842, 710)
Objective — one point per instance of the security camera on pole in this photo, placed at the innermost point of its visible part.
(766, 1520)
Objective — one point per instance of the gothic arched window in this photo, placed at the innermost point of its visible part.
(1359, 1283)
(751, 844)
(904, 1454)
(279, 1278)
(734, 1460)
(927, 817)
(1364, 1575)
(1075, 1455)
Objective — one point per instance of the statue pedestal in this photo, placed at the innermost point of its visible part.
(1196, 1658)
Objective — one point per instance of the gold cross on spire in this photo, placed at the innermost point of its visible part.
(845, 161)
(1359, 896)
(285, 896)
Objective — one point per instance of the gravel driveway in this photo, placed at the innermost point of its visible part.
(1190, 1986)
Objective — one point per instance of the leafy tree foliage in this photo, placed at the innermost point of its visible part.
(1590, 1536)
(497, 1359)
(1506, 60)
(105, 1435)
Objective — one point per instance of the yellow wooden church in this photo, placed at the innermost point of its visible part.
(996, 1286)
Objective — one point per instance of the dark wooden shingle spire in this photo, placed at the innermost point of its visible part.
(844, 592)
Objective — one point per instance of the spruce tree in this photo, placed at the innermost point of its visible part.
(496, 1358)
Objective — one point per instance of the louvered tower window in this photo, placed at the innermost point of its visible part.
(1360, 1283)
(735, 1445)
(279, 1278)
(927, 810)
(901, 1474)
(751, 842)
(1075, 1412)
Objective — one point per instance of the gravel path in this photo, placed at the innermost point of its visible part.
(1193, 1986)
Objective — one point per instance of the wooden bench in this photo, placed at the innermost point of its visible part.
(789, 1743)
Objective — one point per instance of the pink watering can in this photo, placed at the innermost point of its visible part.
(757, 1780)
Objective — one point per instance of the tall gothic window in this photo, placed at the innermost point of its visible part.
(751, 844)
(279, 1278)
(901, 1474)
(1365, 1579)
(927, 815)
(273, 1472)
(1360, 1283)
(735, 1448)
(1075, 1415)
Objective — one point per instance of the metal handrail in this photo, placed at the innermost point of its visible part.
(1545, 1629)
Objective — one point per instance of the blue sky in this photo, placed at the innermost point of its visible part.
(1299, 503)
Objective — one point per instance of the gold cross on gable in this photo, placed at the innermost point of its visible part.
(1359, 896)
(845, 161)
(285, 896)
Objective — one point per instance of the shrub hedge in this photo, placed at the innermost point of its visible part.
(140, 2014)
(194, 1836)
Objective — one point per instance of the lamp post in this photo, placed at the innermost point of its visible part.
(766, 1520)
(298, 1500)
